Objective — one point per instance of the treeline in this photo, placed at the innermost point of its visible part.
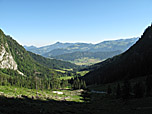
(31, 82)
(12, 78)
(129, 90)
(77, 83)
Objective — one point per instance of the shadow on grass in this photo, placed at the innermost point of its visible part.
(86, 96)
(27, 105)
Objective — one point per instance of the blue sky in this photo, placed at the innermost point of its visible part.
(43, 22)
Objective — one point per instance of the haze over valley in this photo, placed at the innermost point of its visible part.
(83, 53)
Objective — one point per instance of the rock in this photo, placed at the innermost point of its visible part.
(58, 92)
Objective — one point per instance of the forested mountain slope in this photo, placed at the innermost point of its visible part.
(135, 62)
(53, 63)
(14, 56)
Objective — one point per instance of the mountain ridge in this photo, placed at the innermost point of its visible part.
(82, 46)
(134, 62)
(85, 51)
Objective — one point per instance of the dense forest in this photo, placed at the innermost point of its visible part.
(10, 77)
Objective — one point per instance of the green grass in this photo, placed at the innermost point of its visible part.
(68, 69)
(68, 95)
(99, 104)
(49, 102)
(85, 61)
(66, 77)
(82, 73)
(63, 70)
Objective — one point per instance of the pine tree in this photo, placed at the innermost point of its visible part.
(84, 85)
(48, 84)
(78, 83)
(74, 85)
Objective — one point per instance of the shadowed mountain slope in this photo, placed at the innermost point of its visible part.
(135, 62)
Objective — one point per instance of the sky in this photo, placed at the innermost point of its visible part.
(43, 22)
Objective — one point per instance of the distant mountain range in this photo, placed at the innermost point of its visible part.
(48, 48)
(62, 48)
(135, 62)
(81, 51)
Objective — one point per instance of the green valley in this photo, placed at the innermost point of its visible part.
(85, 61)
(75, 57)
(121, 84)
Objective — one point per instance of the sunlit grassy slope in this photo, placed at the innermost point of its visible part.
(15, 92)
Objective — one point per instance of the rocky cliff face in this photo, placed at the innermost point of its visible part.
(14, 56)
(6, 59)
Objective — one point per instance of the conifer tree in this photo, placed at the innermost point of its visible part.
(84, 85)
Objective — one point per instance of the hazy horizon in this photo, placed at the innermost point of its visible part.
(80, 42)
